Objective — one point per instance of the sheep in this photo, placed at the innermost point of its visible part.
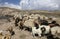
(29, 23)
(53, 24)
(34, 16)
(1, 35)
(53, 18)
(25, 15)
(45, 29)
(42, 30)
(7, 36)
(37, 15)
(17, 15)
(25, 23)
(42, 17)
(10, 29)
(46, 18)
(4, 34)
(44, 22)
(26, 18)
(17, 19)
(49, 20)
(21, 25)
(55, 31)
(31, 17)
(36, 31)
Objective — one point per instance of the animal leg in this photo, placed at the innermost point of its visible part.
(39, 35)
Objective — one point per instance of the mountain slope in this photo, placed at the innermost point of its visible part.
(12, 11)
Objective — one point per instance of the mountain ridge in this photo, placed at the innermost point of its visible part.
(7, 10)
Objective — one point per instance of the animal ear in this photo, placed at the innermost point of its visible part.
(43, 29)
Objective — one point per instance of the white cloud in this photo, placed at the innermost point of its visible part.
(54, 5)
(39, 4)
(35, 4)
(6, 4)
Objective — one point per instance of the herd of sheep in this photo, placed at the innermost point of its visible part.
(37, 25)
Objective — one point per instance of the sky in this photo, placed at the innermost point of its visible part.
(31, 4)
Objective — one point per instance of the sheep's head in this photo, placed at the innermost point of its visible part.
(7, 36)
(10, 29)
(43, 30)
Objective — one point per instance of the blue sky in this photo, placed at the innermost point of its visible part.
(10, 1)
(31, 4)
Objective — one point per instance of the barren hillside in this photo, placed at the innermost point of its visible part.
(12, 11)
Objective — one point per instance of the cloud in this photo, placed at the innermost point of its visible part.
(39, 4)
(6, 4)
(53, 5)
(34, 5)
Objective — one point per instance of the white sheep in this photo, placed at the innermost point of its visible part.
(18, 15)
(3, 33)
(40, 29)
(37, 15)
(25, 15)
(55, 31)
(36, 31)
(29, 23)
(31, 17)
(47, 29)
(25, 18)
